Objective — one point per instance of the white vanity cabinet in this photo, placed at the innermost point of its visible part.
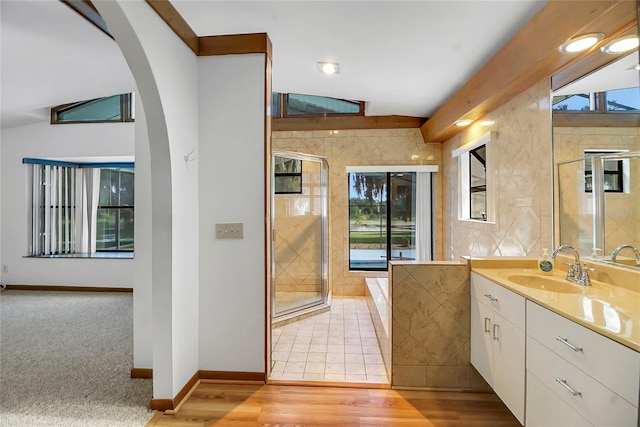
(576, 376)
(498, 341)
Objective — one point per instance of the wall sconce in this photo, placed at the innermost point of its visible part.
(621, 45)
(581, 43)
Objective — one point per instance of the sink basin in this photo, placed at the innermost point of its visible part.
(543, 283)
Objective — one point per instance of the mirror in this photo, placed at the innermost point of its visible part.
(596, 150)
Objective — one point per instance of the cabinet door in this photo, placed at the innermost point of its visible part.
(509, 364)
(481, 346)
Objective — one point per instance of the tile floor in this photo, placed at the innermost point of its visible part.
(339, 345)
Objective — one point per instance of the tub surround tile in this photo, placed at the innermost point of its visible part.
(431, 348)
(449, 376)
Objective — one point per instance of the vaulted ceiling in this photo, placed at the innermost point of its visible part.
(401, 57)
(428, 58)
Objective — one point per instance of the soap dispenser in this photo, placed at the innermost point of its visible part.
(545, 262)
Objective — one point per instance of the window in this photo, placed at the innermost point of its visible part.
(118, 108)
(475, 180)
(381, 219)
(297, 105)
(80, 208)
(611, 101)
(287, 176)
(114, 230)
(613, 173)
(478, 183)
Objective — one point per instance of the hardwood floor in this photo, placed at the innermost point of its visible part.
(236, 405)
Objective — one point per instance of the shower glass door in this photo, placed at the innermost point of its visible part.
(299, 218)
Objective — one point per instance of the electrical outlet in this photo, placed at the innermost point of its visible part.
(229, 231)
(5, 268)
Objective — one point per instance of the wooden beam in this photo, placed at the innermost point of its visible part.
(527, 59)
(343, 123)
(234, 44)
(176, 22)
(596, 120)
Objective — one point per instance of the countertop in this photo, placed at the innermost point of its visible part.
(613, 311)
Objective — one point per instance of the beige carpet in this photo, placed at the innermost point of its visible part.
(65, 359)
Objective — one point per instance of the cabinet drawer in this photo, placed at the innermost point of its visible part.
(595, 402)
(544, 409)
(611, 363)
(506, 303)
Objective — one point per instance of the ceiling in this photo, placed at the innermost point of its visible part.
(400, 57)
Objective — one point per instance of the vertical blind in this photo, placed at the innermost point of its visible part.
(53, 209)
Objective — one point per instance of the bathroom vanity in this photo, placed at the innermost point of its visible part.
(555, 352)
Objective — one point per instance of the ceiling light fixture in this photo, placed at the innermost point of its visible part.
(581, 43)
(486, 123)
(464, 122)
(329, 67)
(621, 45)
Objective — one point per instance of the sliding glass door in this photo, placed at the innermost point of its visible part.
(382, 218)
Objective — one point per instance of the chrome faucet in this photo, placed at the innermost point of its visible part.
(614, 254)
(575, 273)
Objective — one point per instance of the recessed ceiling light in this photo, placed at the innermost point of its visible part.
(621, 44)
(581, 43)
(329, 67)
(486, 123)
(465, 122)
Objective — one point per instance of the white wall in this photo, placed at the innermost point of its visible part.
(45, 140)
(232, 271)
(165, 71)
(142, 281)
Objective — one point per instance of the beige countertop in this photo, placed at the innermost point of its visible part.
(613, 311)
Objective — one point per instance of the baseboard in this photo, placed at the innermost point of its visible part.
(174, 404)
(67, 288)
(146, 373)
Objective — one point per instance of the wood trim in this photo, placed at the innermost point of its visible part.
(528, 58)
(57, 288)
(193, 382)
(346, 122)
(233, 376)
(631, 120)
(267, 213)
(234, 44)
(176, 22)
(161, 404)
(146, 373)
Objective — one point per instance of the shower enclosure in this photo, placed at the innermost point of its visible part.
(299, 223)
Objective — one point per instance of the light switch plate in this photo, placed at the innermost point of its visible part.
(229, 231)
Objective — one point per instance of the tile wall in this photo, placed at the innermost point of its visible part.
(297, 235)
(431, 326)
(622, 223)
(524, 178)
(352, 148)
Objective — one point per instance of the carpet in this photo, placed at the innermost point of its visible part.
(65, 360)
